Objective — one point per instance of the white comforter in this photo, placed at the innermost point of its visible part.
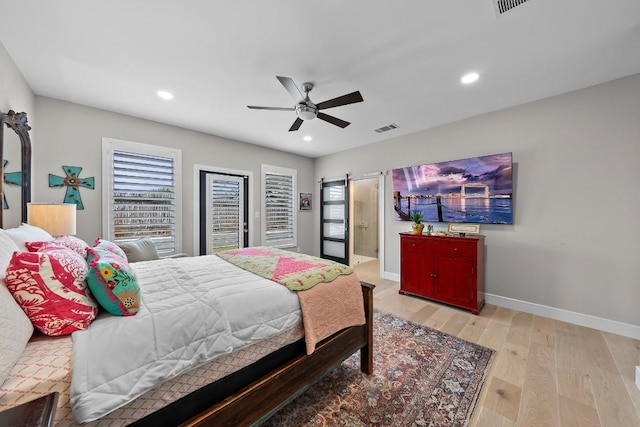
(193, 310)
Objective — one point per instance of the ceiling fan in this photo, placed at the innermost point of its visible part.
(307, 110)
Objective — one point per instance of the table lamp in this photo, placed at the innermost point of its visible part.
(55, 219)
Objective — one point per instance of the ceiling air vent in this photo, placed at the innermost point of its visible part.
(386, 128)
(502, 6)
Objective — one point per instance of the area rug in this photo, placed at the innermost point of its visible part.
(422, 377)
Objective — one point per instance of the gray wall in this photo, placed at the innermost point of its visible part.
(71, 134)
(575, 242)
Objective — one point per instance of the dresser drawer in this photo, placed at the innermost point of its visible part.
(462, 249)
(412, 245)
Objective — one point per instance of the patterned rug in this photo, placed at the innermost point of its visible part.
(422, 377)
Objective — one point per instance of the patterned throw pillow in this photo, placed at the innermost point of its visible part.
(110, 246)
(112, 282)
(70, 242)
(50, 287)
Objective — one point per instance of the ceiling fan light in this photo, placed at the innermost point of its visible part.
(306, 112)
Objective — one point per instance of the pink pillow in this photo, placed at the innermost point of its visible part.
(106, 245)
(50, 287)
(71, 242)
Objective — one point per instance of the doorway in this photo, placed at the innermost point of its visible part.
(365, 220)
(224, 211)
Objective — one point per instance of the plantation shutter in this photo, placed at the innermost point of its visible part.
(226, 214)
(279, 208)
(144, 199)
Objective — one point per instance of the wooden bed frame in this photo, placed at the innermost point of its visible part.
(266, 395)
(258, 396)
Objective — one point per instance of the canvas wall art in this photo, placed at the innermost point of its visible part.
(474, 190)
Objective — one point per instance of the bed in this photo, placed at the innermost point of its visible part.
(257, 380)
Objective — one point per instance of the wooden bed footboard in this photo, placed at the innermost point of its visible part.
(261, 399)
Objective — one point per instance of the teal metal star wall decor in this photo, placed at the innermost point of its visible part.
(13, 178)
(73, 183)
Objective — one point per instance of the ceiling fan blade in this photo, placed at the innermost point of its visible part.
(333, 120)
(291, 87)
(296, 125)
(350, 98)
(255, 107)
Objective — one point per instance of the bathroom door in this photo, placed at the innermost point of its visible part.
(334, 220)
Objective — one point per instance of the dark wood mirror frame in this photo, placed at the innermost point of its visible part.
(17, 122)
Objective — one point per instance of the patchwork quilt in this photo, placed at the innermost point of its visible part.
(298, 272)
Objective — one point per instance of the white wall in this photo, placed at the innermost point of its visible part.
(71, 134)
(16, 95)
(575, 243)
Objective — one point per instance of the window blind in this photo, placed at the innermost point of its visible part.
(279, 221)
(143, 199)
(226, 214)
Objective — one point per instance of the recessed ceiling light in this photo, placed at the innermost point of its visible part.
(307, 138)
(165, 95)
(469, 78)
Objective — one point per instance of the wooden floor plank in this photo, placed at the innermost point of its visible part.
(569, 351)
(576, 386)
(576, 414)
(543, 332)
(595, 349)
(615, 407)
(503, 398)
(511, 363)
(520, 329)
(539, 404)
(625, 352)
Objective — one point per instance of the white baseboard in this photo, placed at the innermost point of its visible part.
(615, 327)
(391, 276)
(638, 377)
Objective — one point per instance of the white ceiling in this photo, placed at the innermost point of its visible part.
(405, 57)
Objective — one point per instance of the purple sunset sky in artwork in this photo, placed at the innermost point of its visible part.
(447, 177)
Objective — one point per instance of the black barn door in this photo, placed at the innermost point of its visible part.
(334, 219)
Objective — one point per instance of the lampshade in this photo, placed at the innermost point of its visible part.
(55, 219)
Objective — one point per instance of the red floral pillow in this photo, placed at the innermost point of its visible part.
(50, 287)
(70, 242)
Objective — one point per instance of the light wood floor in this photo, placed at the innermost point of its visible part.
(545, 373)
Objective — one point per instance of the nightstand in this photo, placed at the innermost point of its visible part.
(36, 413)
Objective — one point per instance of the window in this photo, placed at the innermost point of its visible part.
(278, 205)
(141, 196)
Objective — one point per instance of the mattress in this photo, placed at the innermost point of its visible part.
(192, 310)
(45, 367)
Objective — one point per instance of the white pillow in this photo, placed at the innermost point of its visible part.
(7, 248)
(15, 331)
(27, 233)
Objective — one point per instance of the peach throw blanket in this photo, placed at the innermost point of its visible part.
(330, 307)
